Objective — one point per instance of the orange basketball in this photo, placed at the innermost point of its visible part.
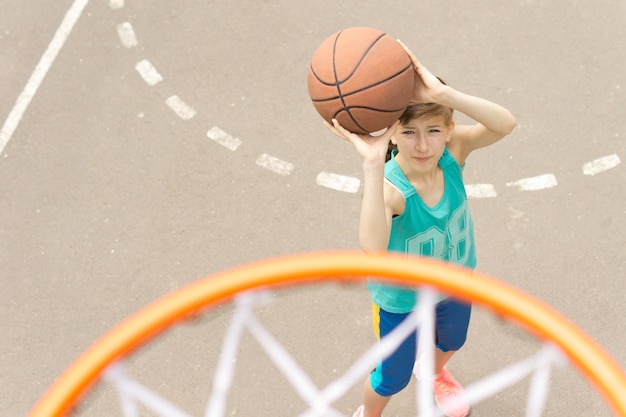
(362, 77)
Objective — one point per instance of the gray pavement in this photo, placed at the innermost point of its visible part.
(110, 199)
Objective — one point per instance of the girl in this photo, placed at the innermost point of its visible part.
(416, 203)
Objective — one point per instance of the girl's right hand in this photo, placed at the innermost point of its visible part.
(371, 148)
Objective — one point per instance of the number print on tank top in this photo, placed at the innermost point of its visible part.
(431, 243)
(451, 245)
(460, 235)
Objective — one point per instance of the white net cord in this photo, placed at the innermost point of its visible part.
(426, 350)
(132, 392)
(226, 365)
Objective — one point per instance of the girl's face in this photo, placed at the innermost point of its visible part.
(421, 143)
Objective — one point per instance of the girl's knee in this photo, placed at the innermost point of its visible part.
(390, 385)
(452, 343)
(453, 319)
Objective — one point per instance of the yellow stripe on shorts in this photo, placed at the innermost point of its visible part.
(376, 320)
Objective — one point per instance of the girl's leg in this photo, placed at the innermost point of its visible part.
(441, 358)
(451, 329)
(373, 403)
(394, 372)
(452, 322)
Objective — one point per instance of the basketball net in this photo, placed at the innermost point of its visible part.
(320, 400)
(132, 393)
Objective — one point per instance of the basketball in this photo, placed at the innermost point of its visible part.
(362, 77)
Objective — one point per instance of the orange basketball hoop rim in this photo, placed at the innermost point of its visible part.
(588, 357)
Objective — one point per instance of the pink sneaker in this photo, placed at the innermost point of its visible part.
(450, 396)
(358, 412)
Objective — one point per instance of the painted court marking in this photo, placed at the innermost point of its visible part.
(601, 164)
(127, 35)
(540, 182)
(116, 4)
(182, 109)
(223, 138)
(152, 77)
(275, 164)
(480, 191)
(40, 71)
(338, 182)
(148, 72)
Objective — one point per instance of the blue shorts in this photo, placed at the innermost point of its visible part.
(394, 372)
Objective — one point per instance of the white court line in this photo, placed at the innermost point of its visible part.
(274, 164)
(116, 4)
(480, 191)
(223, 138)
(540, 182)
(40, 71)
(338, 182)
(127, 35)
(182, 109)
(601, 164)
(147, 71)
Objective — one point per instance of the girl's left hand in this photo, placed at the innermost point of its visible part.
(428, 88)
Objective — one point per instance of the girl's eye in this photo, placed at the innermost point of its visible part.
(407, 132)
(434, 131)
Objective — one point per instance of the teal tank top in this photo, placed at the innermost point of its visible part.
(445, 231)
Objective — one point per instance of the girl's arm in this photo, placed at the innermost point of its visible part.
(375, 218)
(376, 214)
(493, 123)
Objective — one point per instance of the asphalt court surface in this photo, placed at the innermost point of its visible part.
(113, 192)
